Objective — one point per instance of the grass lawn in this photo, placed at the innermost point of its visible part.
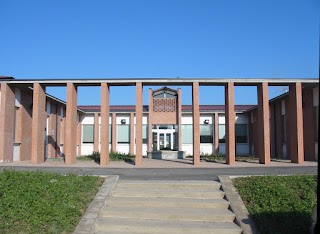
(279, 204)
(41, 202)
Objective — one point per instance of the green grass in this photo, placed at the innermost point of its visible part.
(40, 202)
(279, 204)
(114, 156)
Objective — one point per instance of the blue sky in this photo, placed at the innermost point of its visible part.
(160, 38)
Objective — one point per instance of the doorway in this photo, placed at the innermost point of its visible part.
(164, 137)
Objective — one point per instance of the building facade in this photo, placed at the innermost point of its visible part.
(36, 126)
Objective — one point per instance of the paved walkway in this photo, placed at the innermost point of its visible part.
(139, 206)
(154, 163)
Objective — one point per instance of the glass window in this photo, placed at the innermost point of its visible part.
(222, 133)
(145, 134)
(206, 133)
(187, 133)
(110, 133)
(87, 133)
(123, 133)
(241, 133)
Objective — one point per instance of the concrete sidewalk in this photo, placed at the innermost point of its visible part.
(154, 163)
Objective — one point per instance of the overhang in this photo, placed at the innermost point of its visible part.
(163, 81)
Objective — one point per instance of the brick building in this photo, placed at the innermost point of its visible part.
(35, 126)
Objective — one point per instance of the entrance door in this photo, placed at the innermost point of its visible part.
(163, 138)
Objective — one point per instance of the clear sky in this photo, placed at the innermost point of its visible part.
(160, 39)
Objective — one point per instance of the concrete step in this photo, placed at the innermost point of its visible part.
(143, 226)
(178, 193)
(172, 214)
(189, 184)
(167, 202)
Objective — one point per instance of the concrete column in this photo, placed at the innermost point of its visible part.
(179, 119)
(104, 131)
(131, 150)
(7, 123)
(39, 118)
(230, 124)
(71, 125)
(196, 123)
(263, 123)
(216, 133)
(139, 109)
(114, 133)
(296, 123)
(96, 133)
(150, 122)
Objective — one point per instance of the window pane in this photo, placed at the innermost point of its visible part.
(110, 133)
(241, 130)
(145, 134)
(187, 133)
(241, 133)
(87, 133)
(206, 130)
(222, 133)
(206, 133)
(123, 133)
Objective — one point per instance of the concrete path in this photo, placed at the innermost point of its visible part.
(139, 206)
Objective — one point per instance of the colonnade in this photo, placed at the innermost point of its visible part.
(39, 122)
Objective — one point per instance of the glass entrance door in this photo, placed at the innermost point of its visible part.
(163, 138)
(161, 141)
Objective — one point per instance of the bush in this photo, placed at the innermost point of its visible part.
(114, 156)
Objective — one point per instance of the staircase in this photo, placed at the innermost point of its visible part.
(166, 207)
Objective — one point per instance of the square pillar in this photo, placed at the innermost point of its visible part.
(263, 123)
(96, 133)
(104, 131)
(114, 133)
(39, 120)
(71, 125)
(296, 146)
(150, 135)
(216, 133)
(179, 118)
(139, 110)
(131, 149)
(196, 123)
(7, 122)
(230, 124)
